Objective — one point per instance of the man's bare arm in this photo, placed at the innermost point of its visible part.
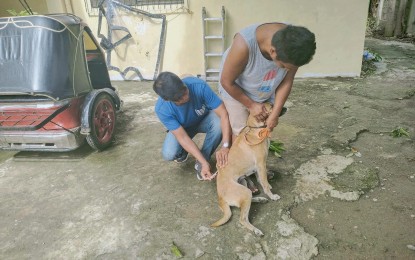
(281, 95)
(222, 154)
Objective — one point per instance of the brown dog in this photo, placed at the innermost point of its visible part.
(247, 155)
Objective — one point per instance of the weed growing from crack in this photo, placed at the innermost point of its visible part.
(400, 132)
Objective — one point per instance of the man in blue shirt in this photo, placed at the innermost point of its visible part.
(187, 107)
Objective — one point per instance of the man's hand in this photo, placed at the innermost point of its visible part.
(222, 157)
(271, 122)
(259, 111)
(205, 172)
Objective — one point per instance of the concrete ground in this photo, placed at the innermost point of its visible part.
(347, 185)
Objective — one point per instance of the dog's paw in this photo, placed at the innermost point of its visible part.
(275, 197)
(258, 232)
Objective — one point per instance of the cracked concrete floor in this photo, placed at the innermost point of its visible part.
(347, 186)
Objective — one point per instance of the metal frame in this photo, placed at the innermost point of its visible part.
(109, 45)
(153, 6)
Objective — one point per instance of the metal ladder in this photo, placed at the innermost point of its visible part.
(213, 43)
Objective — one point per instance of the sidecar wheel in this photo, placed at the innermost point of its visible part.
(103, 120)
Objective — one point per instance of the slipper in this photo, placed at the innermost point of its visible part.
(283, 111)
(271, 174)
(251, 185)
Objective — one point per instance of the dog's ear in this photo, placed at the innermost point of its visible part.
(269, 106)
(250, 120)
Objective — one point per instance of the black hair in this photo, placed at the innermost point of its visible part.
(169, 86)
(295, 45)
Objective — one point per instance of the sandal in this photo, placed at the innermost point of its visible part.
(247, 182)
(283, 111)
(271, 174)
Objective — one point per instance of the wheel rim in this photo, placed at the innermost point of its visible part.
(104, 118)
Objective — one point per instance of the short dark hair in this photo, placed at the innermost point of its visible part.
(295, 45)
(169, 86)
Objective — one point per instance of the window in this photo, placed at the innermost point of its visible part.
(151, 6)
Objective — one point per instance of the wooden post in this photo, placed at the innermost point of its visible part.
(410, 29)
(400, 18)
(380, 12)
(390, 17)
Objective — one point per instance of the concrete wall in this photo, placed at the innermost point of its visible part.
(339, 27)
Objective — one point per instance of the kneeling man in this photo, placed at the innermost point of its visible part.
(186, 107)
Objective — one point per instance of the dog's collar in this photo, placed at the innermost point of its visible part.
(262, 134)
(263, 126)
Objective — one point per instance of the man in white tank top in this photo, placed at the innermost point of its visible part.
(259, 67)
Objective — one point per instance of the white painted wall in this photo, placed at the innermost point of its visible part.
(339, 27)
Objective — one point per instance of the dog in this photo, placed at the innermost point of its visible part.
(248, 154)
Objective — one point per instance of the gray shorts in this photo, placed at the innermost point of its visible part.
(238, 114)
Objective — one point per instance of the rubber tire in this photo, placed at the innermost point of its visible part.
(103, 119)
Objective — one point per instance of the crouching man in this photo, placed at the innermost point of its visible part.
(186, 107)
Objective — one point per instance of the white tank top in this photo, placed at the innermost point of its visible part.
(261, 77)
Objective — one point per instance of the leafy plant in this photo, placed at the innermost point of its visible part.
(399, 132)
(368, 62)
(371, 55)
(276, 147)
(15, 13)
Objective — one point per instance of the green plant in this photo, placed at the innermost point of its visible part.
(399, 132)
(15, 13)
(370, 55)
(376, 56)
(276, 147)
(368, 62)
(370, 26)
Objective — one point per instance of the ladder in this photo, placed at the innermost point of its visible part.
(213, 43)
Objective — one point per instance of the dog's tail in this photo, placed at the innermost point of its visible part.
(227, 213)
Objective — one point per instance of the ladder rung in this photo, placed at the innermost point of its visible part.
(214, 37)
(214, 54)
(217, 19)
(212, 71)
(212, 78)
(212, 74)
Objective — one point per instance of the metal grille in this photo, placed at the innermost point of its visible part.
(151, 6)
(23, 118)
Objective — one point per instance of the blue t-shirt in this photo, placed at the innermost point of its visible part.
(201, 100)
